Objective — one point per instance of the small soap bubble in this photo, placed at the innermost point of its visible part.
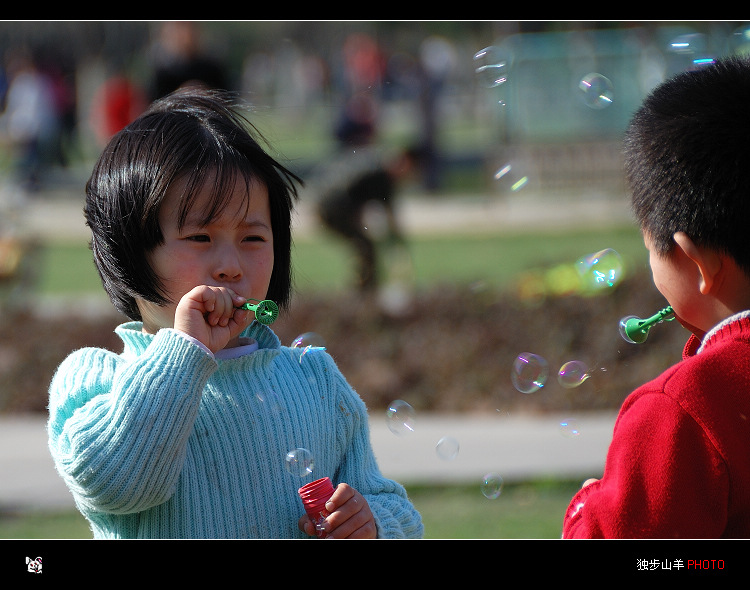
(601, 270)
(299, 462)
(623, 332)
(702, 61)
(399, 417)
(597, 91)
(689, 43)
(491, 65)
(447, 448)
(572, 374)
(307, 342)
(691, 48)
(492, 486)
(512, 177)
(271, 400)
(529, 372)
(569, 428)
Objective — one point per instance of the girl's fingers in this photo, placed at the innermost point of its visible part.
(221, 305)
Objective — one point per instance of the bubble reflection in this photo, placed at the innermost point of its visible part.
(299, 462)
(529, 372)
(447, 448)
(492, 486)
(307, 342)
(491, 65)
(572, 374)
(400, 417)
(598, 92)
(601, 270)
(569, 428)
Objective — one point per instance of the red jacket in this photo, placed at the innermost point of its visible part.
(679, 462)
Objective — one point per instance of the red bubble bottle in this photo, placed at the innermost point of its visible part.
(314, 496)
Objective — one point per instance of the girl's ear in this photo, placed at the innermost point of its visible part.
(708, 261)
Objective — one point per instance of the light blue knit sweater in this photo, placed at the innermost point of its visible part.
(165, 441)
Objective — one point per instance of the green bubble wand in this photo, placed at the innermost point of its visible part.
(635, 330)
(266, 311)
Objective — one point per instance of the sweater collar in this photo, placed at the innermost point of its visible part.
(136, 340)
(731, 326)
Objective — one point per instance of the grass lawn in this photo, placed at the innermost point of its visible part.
(532, 510)
(44, 525)
(323, 263)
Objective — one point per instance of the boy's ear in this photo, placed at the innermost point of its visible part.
(708, 261)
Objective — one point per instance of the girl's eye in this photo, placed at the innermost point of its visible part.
(198, 238)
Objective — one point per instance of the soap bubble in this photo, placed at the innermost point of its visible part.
(598, 92)
(271, 400)
(691, 49)
(688, 44)
(299, 462)
(399, 417)
(569, 428)
(511, 176)
(624, 333)
(572, 374)
(447, 448)
(601, 270)
(307, 342)
(529, 372)
(492, 486)
(739, 42)
(491, 65)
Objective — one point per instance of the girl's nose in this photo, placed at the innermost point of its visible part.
(227, 266)
(228, 276)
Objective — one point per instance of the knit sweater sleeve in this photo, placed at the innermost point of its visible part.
(118, 427)
(663, 478)
(395, 516)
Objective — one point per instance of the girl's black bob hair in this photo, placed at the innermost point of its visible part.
(197, 135)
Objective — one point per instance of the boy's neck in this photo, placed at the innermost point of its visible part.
(731, 294)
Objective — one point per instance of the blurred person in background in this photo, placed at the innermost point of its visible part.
(29, 123)
(362, 70)
(118, 102)
(179, 59)
(354, 183)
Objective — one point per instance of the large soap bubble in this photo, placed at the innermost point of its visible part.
(299, 462)
(572, 374)
(597, 91)
(491, 65)
(399, 417)
(529, 372)
(601, 270)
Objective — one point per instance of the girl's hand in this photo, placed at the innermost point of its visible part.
(350, 516)
(210, 315)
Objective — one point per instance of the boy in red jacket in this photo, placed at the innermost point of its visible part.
(679, 462)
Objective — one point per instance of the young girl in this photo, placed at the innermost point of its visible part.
(185, 433)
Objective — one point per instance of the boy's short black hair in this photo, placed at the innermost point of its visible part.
(197, 135)
(687, 159)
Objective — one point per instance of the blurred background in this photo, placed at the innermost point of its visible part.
(317, 85)
(516, 126)
(449, 272)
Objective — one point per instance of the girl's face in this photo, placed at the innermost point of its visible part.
(235, 250)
